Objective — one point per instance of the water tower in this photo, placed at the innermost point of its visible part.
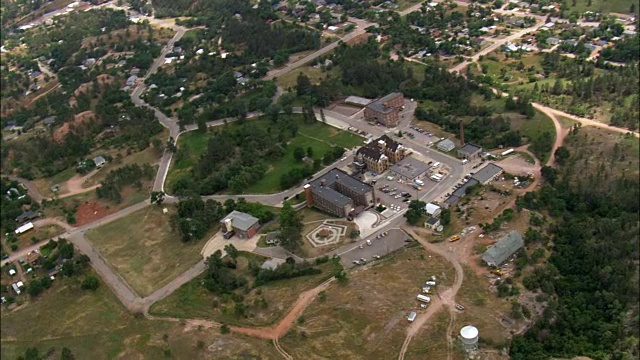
(469, 338)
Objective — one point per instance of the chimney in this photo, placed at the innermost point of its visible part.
(461, 133)
(308, 195)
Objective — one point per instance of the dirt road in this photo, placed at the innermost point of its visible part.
(447, 298)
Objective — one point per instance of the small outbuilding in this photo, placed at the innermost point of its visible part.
(446, 145)
(432, 223)
(433, 210)
(99, 161)
(469, 151)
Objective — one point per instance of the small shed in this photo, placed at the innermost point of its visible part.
(432, 223)
(99, 161)
(433, 210)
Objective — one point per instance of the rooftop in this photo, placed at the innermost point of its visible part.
(499, 252)
(357, 100)
(432, 221)
(470, 149)
(462, 190)
(446, 144)
(336, 175)
(410, 168)
(380, 104)
(240, 220)
(487, 173)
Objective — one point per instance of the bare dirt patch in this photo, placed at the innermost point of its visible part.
(78, 119)
(517, 165)
(91, 211)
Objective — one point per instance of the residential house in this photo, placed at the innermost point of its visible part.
(552, 41)
(131, 80)
(339, 193)
(433, 210)
(27, 216)
(385, 110)
(241, 224)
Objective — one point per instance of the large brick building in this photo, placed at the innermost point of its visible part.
(338, 193)
(385, 110)
(381, 153)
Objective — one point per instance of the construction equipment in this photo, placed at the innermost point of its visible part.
(454, 238)
(497, 272)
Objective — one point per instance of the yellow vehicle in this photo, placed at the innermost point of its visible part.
(496, 272)
(454, 238)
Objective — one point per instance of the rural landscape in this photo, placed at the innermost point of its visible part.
(320, 179)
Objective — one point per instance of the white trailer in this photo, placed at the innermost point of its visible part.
(412, 316)
(419, 182)
(506, 152)
(423, 298)
(24, 228)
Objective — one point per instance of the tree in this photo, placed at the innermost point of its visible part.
(66, 354)
(415, 212)
(90, 283)
(224, 329)
(231, 251)
(550, 174)
(562, 155)
(298, 153)
(445, 215)
(290, 227)
(303, 84)
(310, 152)
(157, 197)
(202, 125)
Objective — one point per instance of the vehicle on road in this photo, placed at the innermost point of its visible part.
(363, 260)
(361, 246)
(454, 238)
(459, 307)
(376, 256)
(356, 262)
(368, 242)
(407, 240)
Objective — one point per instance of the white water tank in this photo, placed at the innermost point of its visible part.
(228, 225)
(469, 337)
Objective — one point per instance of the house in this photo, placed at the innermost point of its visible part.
(549, 25)
(487, 174)
(131, 80)
(446, 145)
(432, 223)
(99, 161)
(409, 169)
(242, 224)
(49, 120)
(433, 210)
(89, 62)
(552, 41)
(589, 47)
(571, 42)
(338, 193)
(26, 216)
(502, 250)
(469, 151)
(385, 110)
(379, 154)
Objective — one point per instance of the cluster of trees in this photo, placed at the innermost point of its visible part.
(195, 217)
(219, 278)
(589, 280)
(32, 353)
(417, 209)
(12, 204)
(290, 227)
(626, 50)
(123, 176)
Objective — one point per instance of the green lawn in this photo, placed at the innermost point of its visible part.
(604, 6)
(144, 250)
(318, 136)
(532, 128)
(94, 325)
(315, 74)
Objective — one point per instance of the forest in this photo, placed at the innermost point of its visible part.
(590, 282)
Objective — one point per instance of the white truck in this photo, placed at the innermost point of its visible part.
(423, 298)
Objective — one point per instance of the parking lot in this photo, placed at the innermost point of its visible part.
(423, 137)
(394, 240)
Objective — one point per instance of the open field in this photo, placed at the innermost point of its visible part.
(604, 6)
(315, 74)
(95, 326)
(193, 301)
(144, 250)
(436, 346)
(366, 318)
(318, 136)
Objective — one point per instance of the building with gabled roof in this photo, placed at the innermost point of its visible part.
(241, 224)
(379, 154)
(502, 250)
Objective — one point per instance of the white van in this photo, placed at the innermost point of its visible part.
(435, 165)
(368, 242)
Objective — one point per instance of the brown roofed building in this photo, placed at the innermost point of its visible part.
(381, 153)
(385, 110)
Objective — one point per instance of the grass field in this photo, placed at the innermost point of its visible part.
(193, 301)
(318, 136)
(436, 346)
(604, 6)
(366, 318)
(146, 156)
(94, 325)
(315, 74)
(144, 250)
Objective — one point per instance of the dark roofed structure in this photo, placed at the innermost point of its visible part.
(487, 173)
(469, 151)
(499, 252)
(338, 193)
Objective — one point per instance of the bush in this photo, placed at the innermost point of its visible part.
(91, 282)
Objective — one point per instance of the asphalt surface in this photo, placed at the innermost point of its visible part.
(394, 240)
